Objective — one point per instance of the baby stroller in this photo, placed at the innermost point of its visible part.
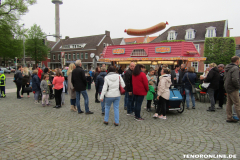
(175, 102)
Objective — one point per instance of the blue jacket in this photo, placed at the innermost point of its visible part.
(35, 83)
(192, 78)
(100, 81)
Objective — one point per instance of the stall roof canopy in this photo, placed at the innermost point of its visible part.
(152, 51)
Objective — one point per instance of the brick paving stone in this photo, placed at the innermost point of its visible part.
(29, 131)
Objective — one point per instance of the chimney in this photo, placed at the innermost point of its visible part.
(66, 37)
(107, 33)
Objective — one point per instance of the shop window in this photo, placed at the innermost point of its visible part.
(77, 55)
(66, 56)
(211, 32)
(172, 35)
(81, 55)
(195, 65)
(138, 53)
(74, 56)
(69, 56)
(86, 55)
(58, 56)
(190, 34)
(53, 56)
(197, 47)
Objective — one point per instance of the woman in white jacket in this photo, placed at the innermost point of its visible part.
(111, 93)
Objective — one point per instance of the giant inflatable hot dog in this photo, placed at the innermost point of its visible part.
(147, 31)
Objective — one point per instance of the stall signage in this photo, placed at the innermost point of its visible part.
(118, 51)
(163, 49)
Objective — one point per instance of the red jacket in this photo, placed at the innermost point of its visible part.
(40, 73)
(140, 84)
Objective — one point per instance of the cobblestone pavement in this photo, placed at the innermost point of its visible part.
(30, 131)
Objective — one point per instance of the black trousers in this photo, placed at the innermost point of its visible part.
(219, 94)
(149, 104)
(96, 94)
(19, 86)
(58, 97)
(23, 86)
(161, 107)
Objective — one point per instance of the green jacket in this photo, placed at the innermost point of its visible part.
(2, 80)
(150, 94)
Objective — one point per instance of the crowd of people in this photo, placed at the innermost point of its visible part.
(137, 82)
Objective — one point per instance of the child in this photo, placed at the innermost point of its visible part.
(163, 93)
(150, 95)
(63, 94)
(89, 81)
(2, 84)
(45, 83)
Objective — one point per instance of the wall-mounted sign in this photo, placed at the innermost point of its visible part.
(162, 49)
(118, 51)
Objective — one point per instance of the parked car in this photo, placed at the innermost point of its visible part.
(12, 69)
(6, 70)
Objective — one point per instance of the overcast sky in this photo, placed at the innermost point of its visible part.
(92, 17)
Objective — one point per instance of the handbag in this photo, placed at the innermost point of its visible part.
(122, 90)
(193, 87)
(27, 89)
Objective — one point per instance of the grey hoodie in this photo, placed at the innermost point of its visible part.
(44, 87)
(231, 78)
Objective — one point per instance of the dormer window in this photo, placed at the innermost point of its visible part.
(172, 35)
(190, 34)
(210, 32)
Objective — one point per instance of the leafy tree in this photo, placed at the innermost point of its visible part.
(219, 50)
(35, 46)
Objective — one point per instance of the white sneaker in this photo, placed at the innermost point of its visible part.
(155, 115)
(162, 117)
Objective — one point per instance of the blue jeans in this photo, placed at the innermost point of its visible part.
(66, 85)
(130, 103)
(126, 99)
(73, 102)
(102, 104)
(210, 92)
(187, 91)
(108, 102)
(36, 95)
(138, 104)
(86, 100)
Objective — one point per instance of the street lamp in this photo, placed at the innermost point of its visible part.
(95, 59)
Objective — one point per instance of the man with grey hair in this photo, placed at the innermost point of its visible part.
(219, 93)
(79, 83)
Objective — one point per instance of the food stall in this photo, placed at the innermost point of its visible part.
(170, 53)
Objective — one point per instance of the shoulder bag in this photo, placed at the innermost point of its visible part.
(122, 90)
(193, 87)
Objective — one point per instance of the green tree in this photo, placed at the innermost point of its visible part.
(219, 50)
(35, 46)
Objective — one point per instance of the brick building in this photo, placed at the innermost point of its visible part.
(196, 33)
(73, 49)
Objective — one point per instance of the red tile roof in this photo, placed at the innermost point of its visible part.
(152, 38)
(137, 39)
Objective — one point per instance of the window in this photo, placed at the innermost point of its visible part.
(74, 56)
(59, 56)
(69, 56)
(190, 34)
(48, 55)
(206, 66)
(172, 35)
(211, 32)
(104, 45)
(66, 56)
(195, 65)
(86, 55)
(197, 47)
(53, 56)
(138, 53)
(78, 56)
(81, 55)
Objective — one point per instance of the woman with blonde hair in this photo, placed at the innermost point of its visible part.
(25, 80)
(71, 90)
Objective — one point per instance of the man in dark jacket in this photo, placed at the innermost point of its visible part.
(79, 83)
(99, 85)
(18, 80)
(175, 76)
(231, 85)
(219, 93)
(129, 89)
(212, 78)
